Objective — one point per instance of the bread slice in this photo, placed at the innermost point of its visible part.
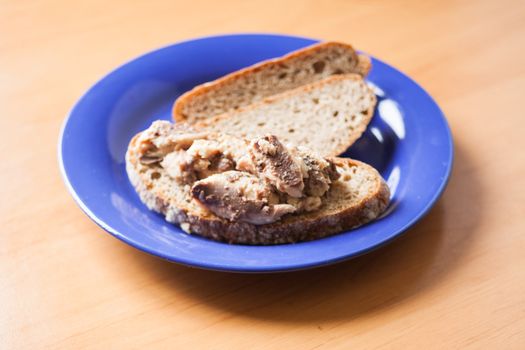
(357, 197)
(267, 78)
(326, 116)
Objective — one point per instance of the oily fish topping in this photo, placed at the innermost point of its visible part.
(255, 181)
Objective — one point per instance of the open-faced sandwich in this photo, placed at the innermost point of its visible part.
(257, 191)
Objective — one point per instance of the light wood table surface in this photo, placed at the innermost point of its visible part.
(456, 280)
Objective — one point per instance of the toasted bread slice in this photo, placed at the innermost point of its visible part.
(326, 116)
(357, 197)
(267, 78)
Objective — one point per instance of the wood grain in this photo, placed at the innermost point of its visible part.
(456, 280)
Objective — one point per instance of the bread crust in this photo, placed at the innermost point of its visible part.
(363, 66)
(290, 229)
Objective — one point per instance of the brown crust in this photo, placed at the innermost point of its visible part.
(290, 229)
(363, 67)
(338, 149)
(364, 64)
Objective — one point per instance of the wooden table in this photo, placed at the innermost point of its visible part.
(456, 280)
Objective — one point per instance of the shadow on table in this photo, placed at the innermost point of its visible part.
(416, 262)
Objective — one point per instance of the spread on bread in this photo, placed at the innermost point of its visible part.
(256, 182)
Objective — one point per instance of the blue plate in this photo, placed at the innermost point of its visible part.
(408, 141)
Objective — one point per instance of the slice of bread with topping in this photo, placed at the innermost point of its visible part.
(355, 197)
(326, 116)
(268, 78)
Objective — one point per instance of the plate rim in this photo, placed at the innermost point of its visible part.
(251, 269)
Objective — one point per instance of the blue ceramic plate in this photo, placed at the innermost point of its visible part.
(408, 141)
